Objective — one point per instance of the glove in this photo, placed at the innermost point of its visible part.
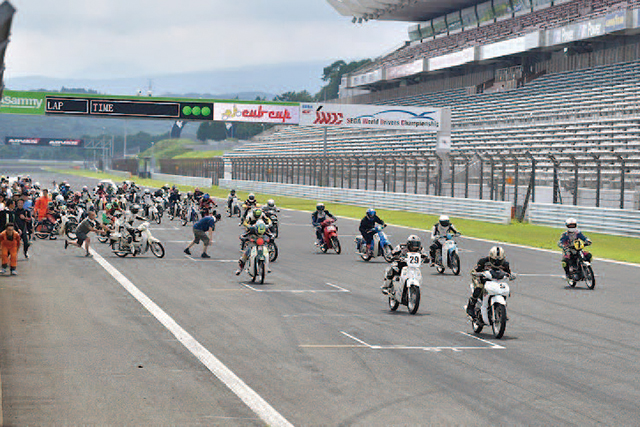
(512, 276)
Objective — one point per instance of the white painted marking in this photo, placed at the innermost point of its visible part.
(483, 340)
(540, 275)
(409, 347)
(299, 291)
(252, 399)
(355, 339)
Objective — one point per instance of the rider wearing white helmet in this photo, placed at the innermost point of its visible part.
(566, 244)
(316, 220)
(497, 260)
(440, 229)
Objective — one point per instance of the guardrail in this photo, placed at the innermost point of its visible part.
(122, 174)
(482, 210)
(619, 222)
(182, 180)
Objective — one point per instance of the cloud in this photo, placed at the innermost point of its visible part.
(127, 38)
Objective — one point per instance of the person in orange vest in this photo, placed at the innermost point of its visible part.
(9, 245)
(41, 207)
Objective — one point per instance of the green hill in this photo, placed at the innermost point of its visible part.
(168, 148)
(200, 154)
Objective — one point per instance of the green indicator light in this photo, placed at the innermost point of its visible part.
(196, 111)
(186, 110)
(206, 111)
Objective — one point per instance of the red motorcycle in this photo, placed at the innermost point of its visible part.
(330, 236)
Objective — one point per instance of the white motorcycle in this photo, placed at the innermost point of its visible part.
(448, 255)
(137, 244)
(258, 263)
(154, 214)
(406, 288)
(236, 208)
(492, 309)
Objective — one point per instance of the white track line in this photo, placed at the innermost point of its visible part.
(252, 399)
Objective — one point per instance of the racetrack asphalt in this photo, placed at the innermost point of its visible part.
(317, 341)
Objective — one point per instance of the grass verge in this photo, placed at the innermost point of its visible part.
(200, 154)
(618, 248)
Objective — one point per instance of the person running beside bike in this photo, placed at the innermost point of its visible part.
(570, 253)
(317, 218)
(82, 231)
(9, 245)
(23, 219)
(496, 260)
(399, 255)
(438, 232)
(367, 226)
(253, 233)
(203, 231)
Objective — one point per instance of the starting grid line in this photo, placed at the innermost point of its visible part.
(337, 289)
(363, 344)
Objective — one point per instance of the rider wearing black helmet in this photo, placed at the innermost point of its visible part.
(249, 204)
(399, 254)
(317, 218)
(230, 197)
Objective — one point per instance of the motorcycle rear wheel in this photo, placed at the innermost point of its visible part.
(393, 304)
(273, 251)
(101, 239)
(413, 299)
(42, 231)
(386, 253)
(158, 219)
(157, 249)
(336, 245)
(499, 323)
(589, 277)
(184, 221)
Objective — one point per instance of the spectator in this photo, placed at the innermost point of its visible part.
(9, 245)
(23, 220)
(7, 215)
(1, 201)
(41, 207)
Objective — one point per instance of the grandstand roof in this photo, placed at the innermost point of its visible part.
(399, 10)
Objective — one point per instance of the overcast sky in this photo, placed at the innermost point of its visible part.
(132, 38)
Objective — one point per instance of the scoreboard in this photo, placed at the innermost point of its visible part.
(133, 108)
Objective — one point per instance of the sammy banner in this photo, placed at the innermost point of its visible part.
(256, 113)
(370, 116)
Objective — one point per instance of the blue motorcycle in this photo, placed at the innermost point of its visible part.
(448, 256)
(381, 246)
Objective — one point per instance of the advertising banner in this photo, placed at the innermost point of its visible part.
(452, 59)
(579, 31)
(14, 102)
(503, 48)
(405, 70)
(256, 113)
(44, 142)
(615, 21)
(366, 78)
(370, 116)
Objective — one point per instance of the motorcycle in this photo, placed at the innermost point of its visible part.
(270, 243)
(582, 270)
(153, 213)
(139, 243)
(275, 225)
(160, 206)
(175, 211)
(258, 262)
(406, 288)
(381, 246)
(491, 310)
(236, 208)
(190, 214)
(450, 248)
(330, 236)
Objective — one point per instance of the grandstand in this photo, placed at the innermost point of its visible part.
(568, 106)
(6, 17)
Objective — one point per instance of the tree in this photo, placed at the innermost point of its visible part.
(212, 130)
(333, 76)
(303, 96)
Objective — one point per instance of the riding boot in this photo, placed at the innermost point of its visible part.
(471, 306)
(387, 287)
(432, 255)
(240, 267)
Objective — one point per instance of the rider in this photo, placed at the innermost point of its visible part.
(495, 261)
(256, 215)
(207, 205)
(316, 220)
(258, 230)
(270, 207)
(367, 225)
(399, 255)
(230, 197)
(249, 204)
(566, 242)
(174, 198)
(147, 201)
(440, 229)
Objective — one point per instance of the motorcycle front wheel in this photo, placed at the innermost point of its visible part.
(158, 219)
(262, 271)
(413, 299)
(276, 231)
(455, 264)
(393, 304)
(386, 253)
(184, 221)
(499, 323)
(336, 245)
(589, 277)
(273, 251)
(101, 239)
(157, 249)
(42, 231)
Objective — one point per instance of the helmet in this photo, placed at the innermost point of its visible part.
(413, 243)
(189, 194)
(271, 203)
(109, 206)
(252, 197)
(147, 191)
(50, 205)
(261, 227)
(59, 199)
(206, 197)
(572, 225)
(257, 213)
(36, 185)
(135, 209)
(444, 221)
(371, 212)
(320, 207)
(166, 185)
(85, 189)
(54, 194)
(233, 192)
(496, 253)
